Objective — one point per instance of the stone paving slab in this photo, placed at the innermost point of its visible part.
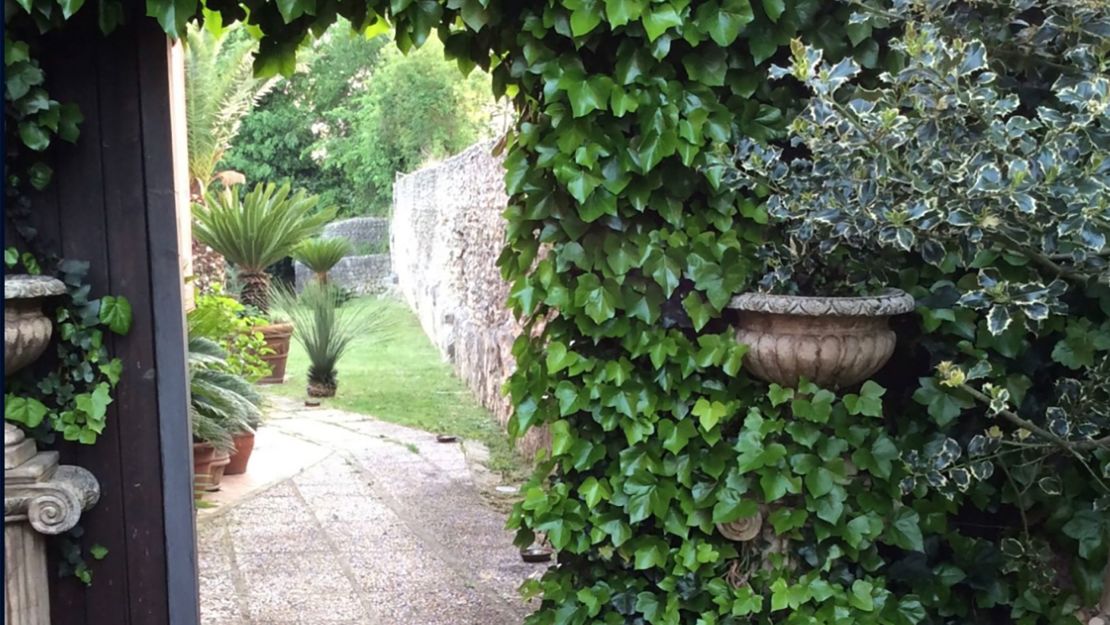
(384, 527)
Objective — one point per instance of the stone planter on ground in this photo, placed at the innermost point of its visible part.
(830, 341)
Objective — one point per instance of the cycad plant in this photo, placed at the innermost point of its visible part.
(257, 230)
(325, 328)
(221, 403)
(220, 89)
(321, 254)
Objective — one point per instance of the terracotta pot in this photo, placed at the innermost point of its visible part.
(244, 445)
(27, 330)
(830, 341)
(277, 338)
(203, 454)
(220, 460)
(321, 390)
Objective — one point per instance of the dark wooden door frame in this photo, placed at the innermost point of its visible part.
(112, 203)
(169, 330)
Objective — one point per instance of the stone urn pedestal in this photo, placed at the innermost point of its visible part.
(41, 498)
(830, 341)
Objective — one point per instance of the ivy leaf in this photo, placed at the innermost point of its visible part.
(724, 21)
(594, 491)
(69, 7)
(1089, 528)
(584, 20)
(709, 413)
(774, 9)
(943, 407)
(26, 410)
(172, 15)
(33, 136)
(115, 312)
(661, 18)
(589, 95)
(861, 596)
(98, 551)
(904, 530)
(621, 12)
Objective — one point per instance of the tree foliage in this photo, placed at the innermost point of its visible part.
(413, 108)
(277, 139)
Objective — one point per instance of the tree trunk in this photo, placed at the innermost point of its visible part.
(256, 290)
(322, 277)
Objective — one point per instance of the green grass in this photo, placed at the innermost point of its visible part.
(404, 380)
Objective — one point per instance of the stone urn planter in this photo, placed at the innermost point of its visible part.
(277, 337)
(27, 330)
(830, 341)
(241, 457)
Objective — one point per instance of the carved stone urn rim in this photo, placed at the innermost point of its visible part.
(889, 302)
(26, 286)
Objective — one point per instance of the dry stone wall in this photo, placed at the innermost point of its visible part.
(360, 273)
(372, 231)
(445, 236)
(364, 275)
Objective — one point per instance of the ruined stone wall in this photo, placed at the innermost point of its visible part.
(445, 236)
(367, 271)
(371, 274)
(361, 231)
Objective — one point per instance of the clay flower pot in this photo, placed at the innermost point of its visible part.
(27, 330)
(244, 446)
(830, 341)
(203, 454)
(220, 460)
(277, 338)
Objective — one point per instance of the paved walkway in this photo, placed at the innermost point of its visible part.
(347, 520)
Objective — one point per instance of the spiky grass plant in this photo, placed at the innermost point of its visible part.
(325, 327)
(257, 230)
(321, 254)
(221, 403)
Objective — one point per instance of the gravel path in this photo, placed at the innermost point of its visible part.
(390, 528)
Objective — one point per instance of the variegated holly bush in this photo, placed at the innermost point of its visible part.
(975, 173)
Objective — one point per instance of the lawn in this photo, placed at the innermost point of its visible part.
(404, 380)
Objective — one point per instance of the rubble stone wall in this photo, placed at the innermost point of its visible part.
(446, 233)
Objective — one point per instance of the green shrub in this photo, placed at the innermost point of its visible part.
(224, 320)
(221, 403)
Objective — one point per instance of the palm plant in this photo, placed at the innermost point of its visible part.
(321, 254)
(325, 328)
(220, 89)
(257, 230)
(221, 403)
